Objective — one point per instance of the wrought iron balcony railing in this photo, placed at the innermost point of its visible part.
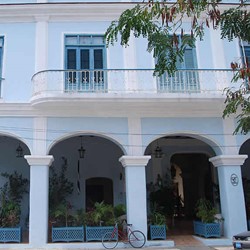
(54, 82)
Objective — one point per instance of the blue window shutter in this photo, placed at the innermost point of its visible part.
(189, 59)
(247, 53)
(98, 59)
(71, 59)
(85, 59)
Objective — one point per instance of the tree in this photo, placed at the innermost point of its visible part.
(159, 22)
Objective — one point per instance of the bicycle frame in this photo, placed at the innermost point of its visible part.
(135, 237)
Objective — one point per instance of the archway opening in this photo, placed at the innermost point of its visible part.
(98, 190)
(14, 185)
(245, 170)
(86, 170)
(178, 175)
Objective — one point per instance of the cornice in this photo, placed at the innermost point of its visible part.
(97, 11)
(125, 106)
(70, 11)
(228, 160)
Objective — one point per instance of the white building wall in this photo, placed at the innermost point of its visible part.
(132, 122)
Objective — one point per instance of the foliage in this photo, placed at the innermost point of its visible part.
(238, 101)
(119, 210)
(59, 187)
(101, 214)
(62, 214)
(11, 196)
(157, 218)
(17, 186)
(205, 211)
(160, 22)
(164, 200)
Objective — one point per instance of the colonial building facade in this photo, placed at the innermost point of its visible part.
(62, 90)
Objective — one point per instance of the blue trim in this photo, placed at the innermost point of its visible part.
(158, 232)
(10, 234)
(96, 233)
(67, 234)
(207, 229)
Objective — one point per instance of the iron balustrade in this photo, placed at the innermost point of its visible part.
(53, 82)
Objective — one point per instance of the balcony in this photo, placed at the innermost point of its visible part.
(65, 85)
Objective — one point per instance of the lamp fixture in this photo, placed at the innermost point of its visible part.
(19, 151)
(81, 150)
(158, 151)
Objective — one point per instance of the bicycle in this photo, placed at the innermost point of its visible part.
(135, 238)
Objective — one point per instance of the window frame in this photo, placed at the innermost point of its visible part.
(1, 62)
(89, 79)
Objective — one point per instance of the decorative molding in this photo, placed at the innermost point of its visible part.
(39, 160)
(135, 161)
(228, 160)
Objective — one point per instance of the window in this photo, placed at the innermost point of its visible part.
(84, 62)
(246, 53)
(1, 62)
(186, 77)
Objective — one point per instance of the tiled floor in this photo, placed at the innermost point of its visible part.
(181, 232)
(185, 240)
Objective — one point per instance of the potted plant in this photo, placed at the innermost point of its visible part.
(10, 211)
(66, 229)
(62, 221)
(100, 220)
(157, 226)
(207, 226)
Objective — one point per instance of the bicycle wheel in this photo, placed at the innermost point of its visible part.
(110, 240)
(137, 239)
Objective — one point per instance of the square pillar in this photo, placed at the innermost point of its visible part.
(39, 199)
(231, 192)
(136, 190)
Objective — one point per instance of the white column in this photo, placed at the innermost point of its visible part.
(41, 51)
(135, 139)
(218, 48)
(231, 192)
(39, 198)
(136, 190)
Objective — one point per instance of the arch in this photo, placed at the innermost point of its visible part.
(208, 140)
(188, 153)
(85, 133)
(15, 137)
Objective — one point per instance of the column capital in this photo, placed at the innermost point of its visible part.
(39, 160)
(228, 160)
(137, 161)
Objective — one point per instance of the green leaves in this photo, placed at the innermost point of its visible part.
(235, 23)
(238, 101)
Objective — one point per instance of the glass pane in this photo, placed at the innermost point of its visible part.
(1, 41)
(97, 40)
(189, 59)
(247, 53)
(98, 59)
(71, 40)
(84, 59)
(71, 59)
(85, 40)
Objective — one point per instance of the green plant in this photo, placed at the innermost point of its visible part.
(11, 196)
(59, 189)
(101, 214)
(62, 214)
(205, 211)
(157, 218)
(119, 210)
